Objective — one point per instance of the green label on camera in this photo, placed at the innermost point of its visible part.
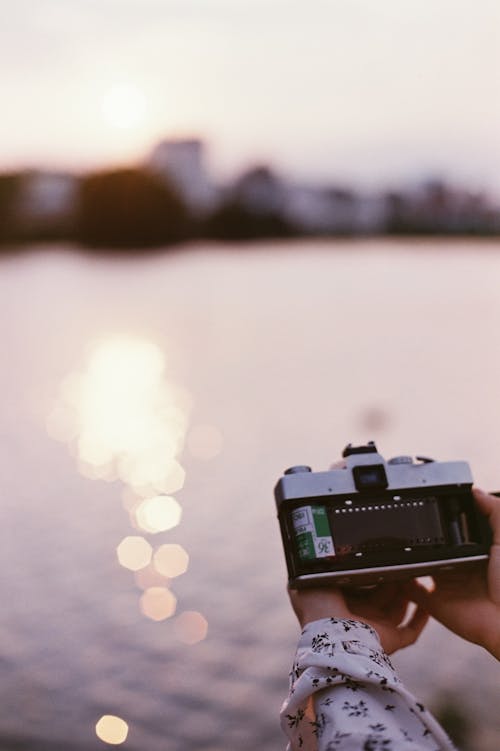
(312, 532)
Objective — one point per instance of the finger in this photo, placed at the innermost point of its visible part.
(418, 593)
(417, 622)
(387, 593)
(490, 507)
(395, 596)
(393, 603)
(494, 574)
(392, 600)
(396, 612)
(409, 633)
(293, 594)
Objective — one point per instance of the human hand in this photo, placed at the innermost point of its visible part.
(467, 601)
(384, 608)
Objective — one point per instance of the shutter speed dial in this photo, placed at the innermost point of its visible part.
(401, 460)
(296, 470)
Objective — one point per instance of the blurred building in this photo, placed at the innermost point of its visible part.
(251, 208)
(260, 191)
(446, 208)
(45, 203)
(372, 214)
(181, 163)
(437, 208)
(317, 210)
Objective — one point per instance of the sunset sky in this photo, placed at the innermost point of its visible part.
(356, 90)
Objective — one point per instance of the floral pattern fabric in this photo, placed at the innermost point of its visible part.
(345, 696)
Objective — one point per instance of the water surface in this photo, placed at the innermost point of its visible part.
(288, 352)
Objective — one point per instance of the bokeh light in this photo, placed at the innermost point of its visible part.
(174, 480)
(134, 552)
(127, 419)
(130, 499)
(205, 441)
(105, 472)
(122, 419)
(149, 576)
(111, 729)
(158, 603)
(171, 560)
(158, 514)
(190, 627)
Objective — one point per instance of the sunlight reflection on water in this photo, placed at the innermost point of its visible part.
(171, 560)
(158, 603)
(124, 420)
(134, 553)
(158, 514)
(112, 730)
(191, 627)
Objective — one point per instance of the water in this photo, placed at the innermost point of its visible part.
(289, 352)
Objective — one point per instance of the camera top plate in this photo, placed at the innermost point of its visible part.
(401, 473)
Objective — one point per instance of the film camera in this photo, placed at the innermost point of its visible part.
(373, 521)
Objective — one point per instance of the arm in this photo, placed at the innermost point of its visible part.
(345, 696)
(467, 601)
(344, 693)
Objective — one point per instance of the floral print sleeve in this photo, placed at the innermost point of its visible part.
(345, 696)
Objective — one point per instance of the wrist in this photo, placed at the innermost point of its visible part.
(315, 604)
(324, 611)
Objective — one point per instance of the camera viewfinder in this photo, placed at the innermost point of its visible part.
(370, 477)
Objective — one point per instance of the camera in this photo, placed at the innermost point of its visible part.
(374, 520)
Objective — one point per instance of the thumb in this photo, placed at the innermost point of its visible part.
(408, 633)
(490, 507)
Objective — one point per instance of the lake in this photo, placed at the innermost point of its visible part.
(238, 361)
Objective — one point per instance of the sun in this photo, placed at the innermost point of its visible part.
(124, 106)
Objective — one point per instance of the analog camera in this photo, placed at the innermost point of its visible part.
(375, 520)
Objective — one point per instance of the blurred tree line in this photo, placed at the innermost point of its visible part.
(9, 191)
(126, 209)
(130, 208)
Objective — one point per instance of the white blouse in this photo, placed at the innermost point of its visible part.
(345, 696)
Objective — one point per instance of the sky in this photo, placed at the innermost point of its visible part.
(343, 90)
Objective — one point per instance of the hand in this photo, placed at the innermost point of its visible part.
(384, 608)
(467, 601)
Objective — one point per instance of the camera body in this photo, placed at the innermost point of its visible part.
(373, 521)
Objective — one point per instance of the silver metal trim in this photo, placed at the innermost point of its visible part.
(424, 477)
(379, 570)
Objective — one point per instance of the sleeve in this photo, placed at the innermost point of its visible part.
(345, 696)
